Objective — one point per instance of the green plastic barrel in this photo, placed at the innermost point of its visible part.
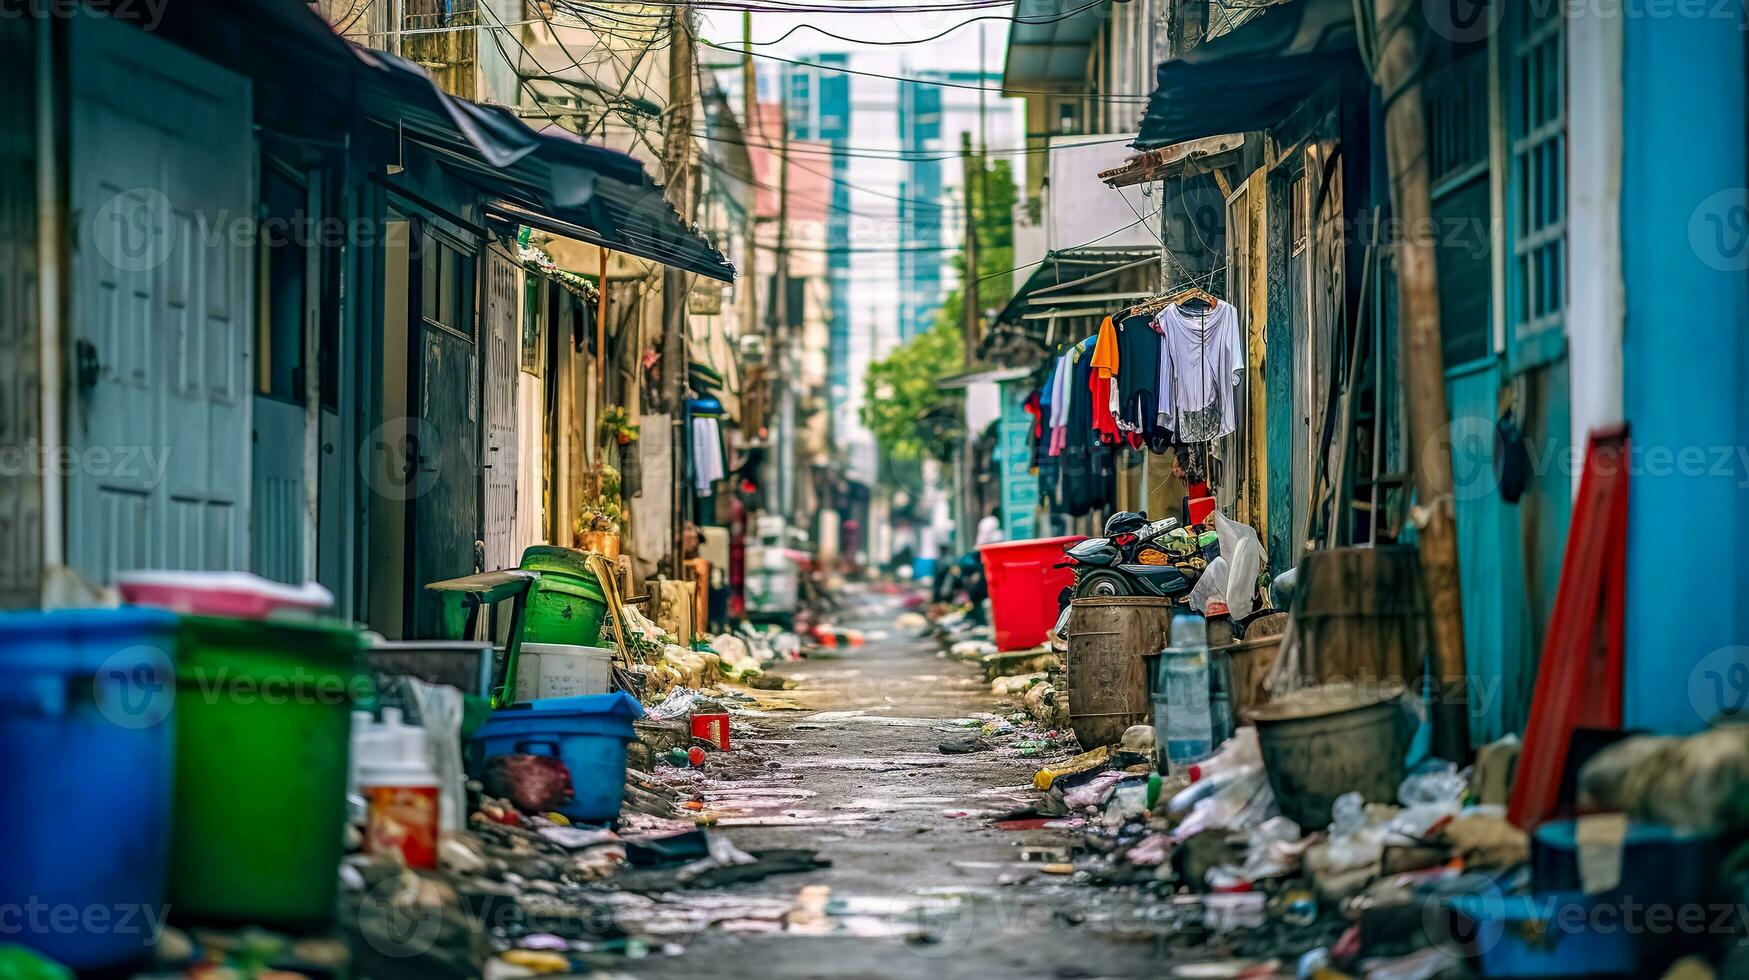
(263, 732)
(567, 604)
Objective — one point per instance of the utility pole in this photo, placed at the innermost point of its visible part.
(973, 179)
(983, 92)
(784, 341)
(677, 171)
(750, 123)
(1398, 77)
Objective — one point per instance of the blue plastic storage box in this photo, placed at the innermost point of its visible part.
(588, 733)
(1549, 934)
(86, 759)
(1658, 863)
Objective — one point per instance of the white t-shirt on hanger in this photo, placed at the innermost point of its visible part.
(1202, 360)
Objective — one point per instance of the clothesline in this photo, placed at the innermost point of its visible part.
(1152, 379)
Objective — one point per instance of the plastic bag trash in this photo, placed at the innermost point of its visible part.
(1094, 792)
(1272, 849)
(1151, 852)
(1211, 585)
(1236, 910)
(1354, 849)
(1441, 785)
(678, 704)
(730, 647)
(1239, 805)
(1186, 800)
(1347, 815)
(1129, 801)
(1244, 554)
(1281, 588)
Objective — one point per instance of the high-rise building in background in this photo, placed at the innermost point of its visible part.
(820, 110)
(933, 112)
(893, 222)
(921, 208)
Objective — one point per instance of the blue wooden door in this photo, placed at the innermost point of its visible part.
(1488, 556)
(161, 161)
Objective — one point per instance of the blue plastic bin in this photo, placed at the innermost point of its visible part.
(588, 733)
(86, 759)
(1549, 934)
(1658, 863)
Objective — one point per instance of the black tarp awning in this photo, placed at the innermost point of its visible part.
(1251, 78)
(547, 179)
(308, 76)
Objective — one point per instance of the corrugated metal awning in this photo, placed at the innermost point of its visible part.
(1252, 77)
(1048, 44)
(959, 381)
(1066, 274)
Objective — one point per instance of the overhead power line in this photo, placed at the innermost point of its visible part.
(1124, 97)
(788, 7)
(933, 37)
(825, 148)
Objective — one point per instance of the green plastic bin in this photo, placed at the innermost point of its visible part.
(567, 604)
(263, 731)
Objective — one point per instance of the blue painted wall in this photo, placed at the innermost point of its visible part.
(1685, 257)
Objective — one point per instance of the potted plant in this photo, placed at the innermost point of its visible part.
(598, 520)
(616, 423)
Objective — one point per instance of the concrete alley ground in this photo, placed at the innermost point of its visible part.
(916, 863)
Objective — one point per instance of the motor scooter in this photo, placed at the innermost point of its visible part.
(1126, 561)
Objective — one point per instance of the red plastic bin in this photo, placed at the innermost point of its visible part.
(1024, 587)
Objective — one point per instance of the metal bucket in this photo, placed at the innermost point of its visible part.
(1322, 742)
(1250, 660)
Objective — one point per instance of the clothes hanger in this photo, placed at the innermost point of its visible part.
(1193, 292)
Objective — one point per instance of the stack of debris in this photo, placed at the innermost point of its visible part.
(1234, 877)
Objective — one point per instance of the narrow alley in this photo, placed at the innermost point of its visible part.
(921, 882)
(1015, 489)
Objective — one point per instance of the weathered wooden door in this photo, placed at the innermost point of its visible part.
(445, 518)
(1305, 391)
(162, 167)
(503, 350)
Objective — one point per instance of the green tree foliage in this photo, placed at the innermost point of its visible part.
(993, 204)
(902, 407)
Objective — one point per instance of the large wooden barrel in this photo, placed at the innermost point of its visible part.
(1108, 680)
(1361, 615)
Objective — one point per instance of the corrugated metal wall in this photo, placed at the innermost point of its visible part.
(20, 336)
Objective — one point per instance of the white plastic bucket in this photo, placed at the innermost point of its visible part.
(562, 670)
